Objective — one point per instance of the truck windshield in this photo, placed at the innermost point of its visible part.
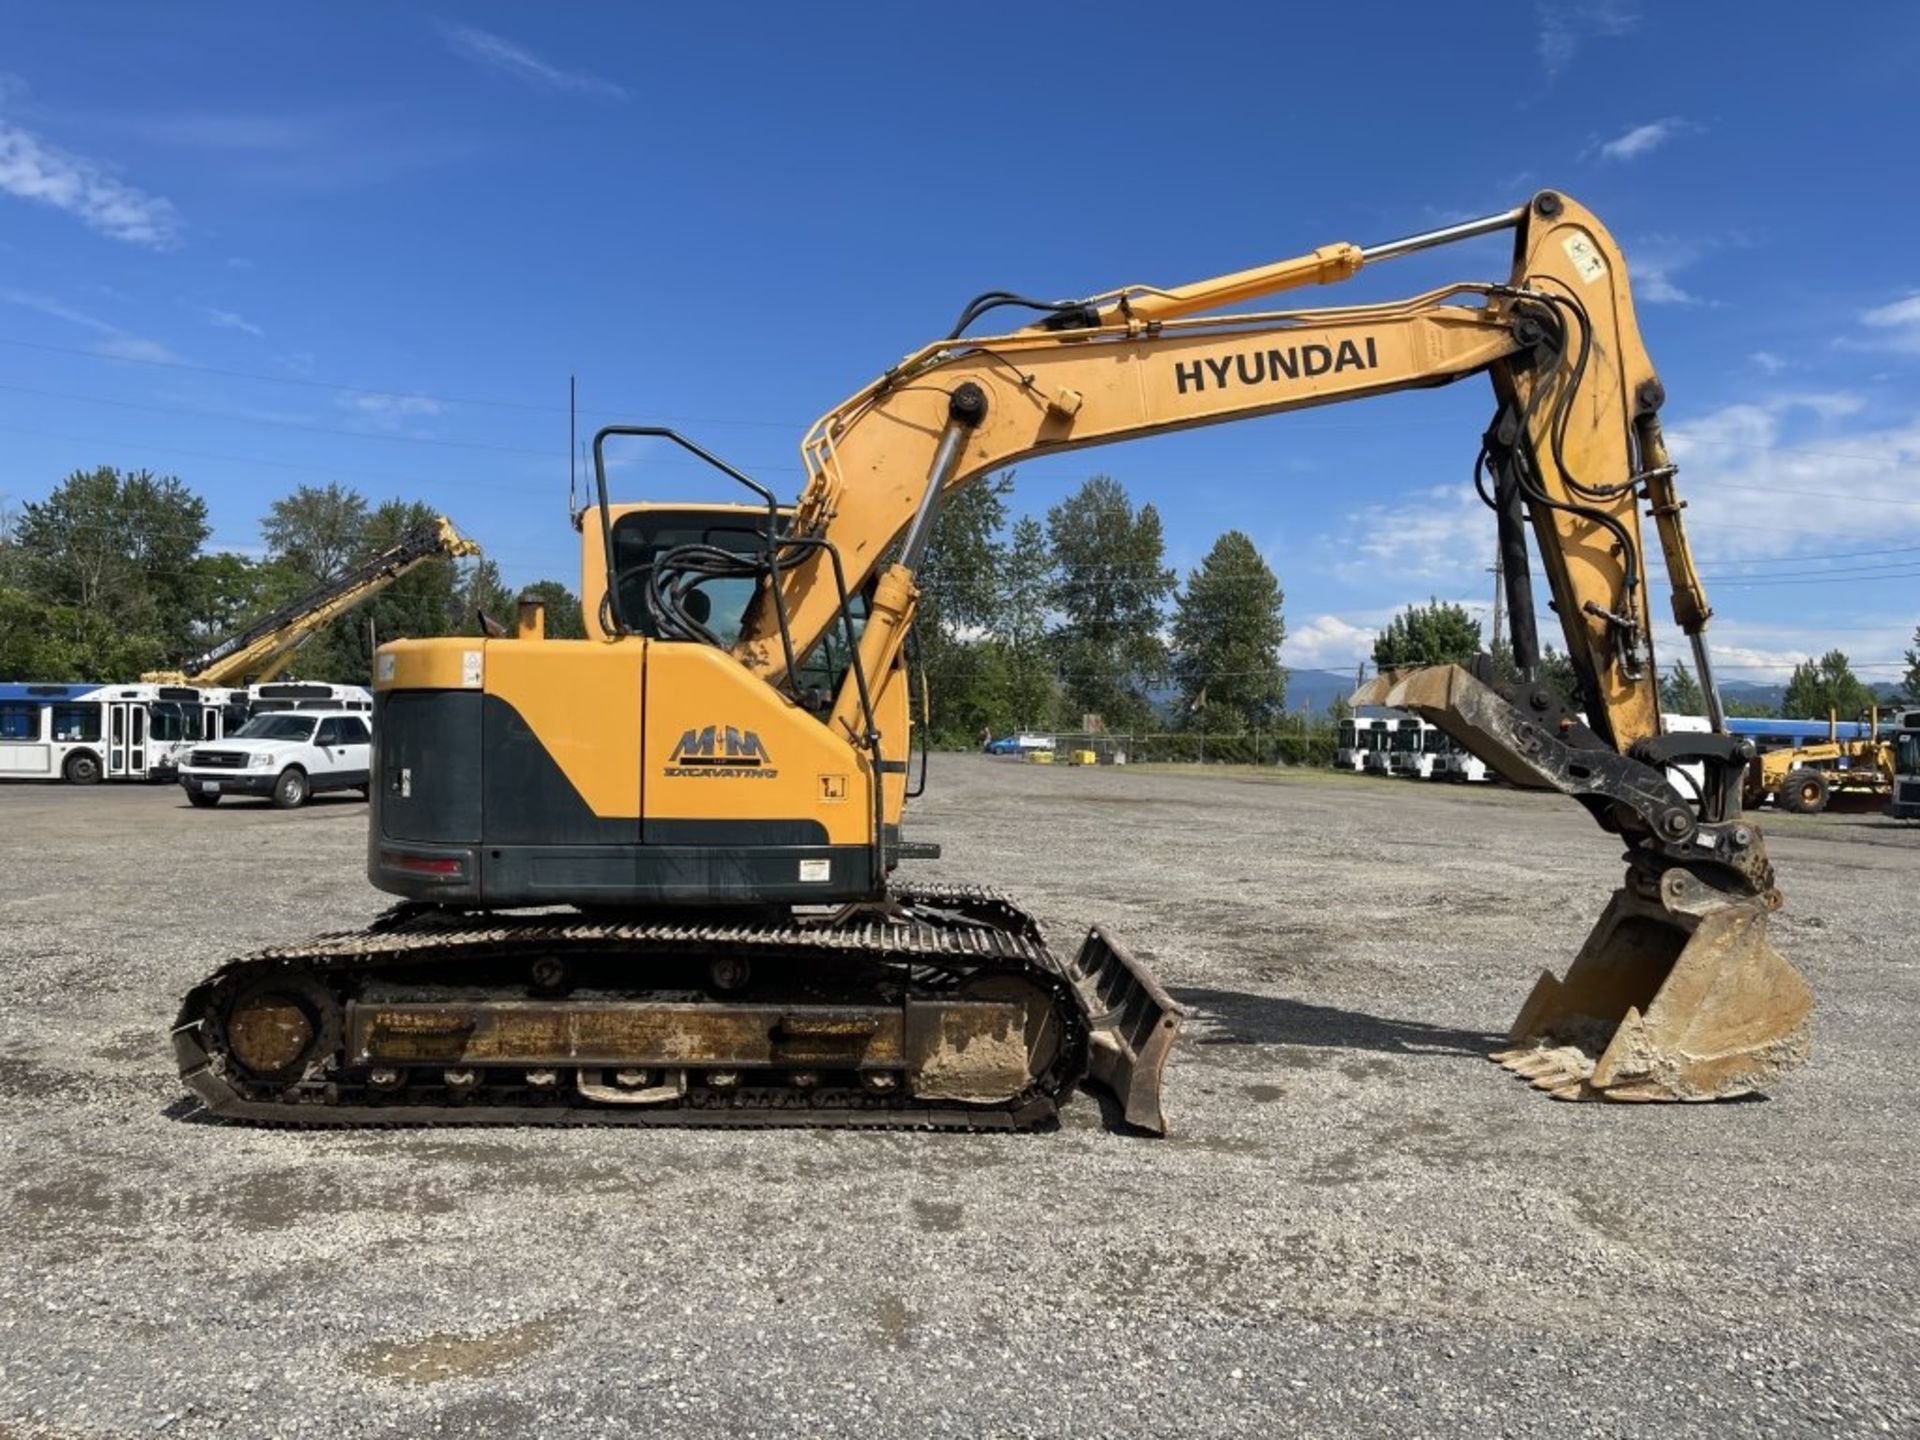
(283, 726)
(1907, 752)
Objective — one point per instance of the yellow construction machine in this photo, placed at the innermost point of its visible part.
(266, 647)
(1802, 778)
(649, 876)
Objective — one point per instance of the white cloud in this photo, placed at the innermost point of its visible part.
(1654, 261)
(1901, 320)
(1757, 487)
(133, 347)
(114, 342)
(1566, 25)
(390, 411)
(495, 52)
(1326, 642)
(31, 169)
(1440, 535)
(1767, 362)
(1641, 139)
(228, 320)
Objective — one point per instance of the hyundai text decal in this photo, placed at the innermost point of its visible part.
(720, 752)
(1275, 363)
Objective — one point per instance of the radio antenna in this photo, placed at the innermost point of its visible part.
(573, 444)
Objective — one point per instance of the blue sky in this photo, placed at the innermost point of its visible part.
(257, 246)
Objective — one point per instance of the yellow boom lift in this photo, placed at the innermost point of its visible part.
(648, 876)
(265, 648)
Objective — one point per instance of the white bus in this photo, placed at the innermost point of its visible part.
(1404, 736)
(1359, 735)
(83, 732)
(307, 695)
(1415, 757)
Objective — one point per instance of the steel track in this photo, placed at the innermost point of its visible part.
(925, 932)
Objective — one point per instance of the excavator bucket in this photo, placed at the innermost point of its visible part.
(1678, 996)
(1134, 1025)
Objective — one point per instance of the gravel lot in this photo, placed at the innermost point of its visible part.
(1359, 1226)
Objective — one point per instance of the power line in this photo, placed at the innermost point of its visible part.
(311, 383)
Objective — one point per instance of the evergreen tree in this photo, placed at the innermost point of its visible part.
(1021, 626)
(1430, 634)
(1110, 585)
(959, 595)
(478, 589)
(1227, 630)
(1680, 693)
(1818, 686)
(564, 618)
(1910, 685)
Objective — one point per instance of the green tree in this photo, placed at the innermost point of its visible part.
(1910, 685)
(564, 618)
(478, 589)
(116, 546)
(1432, 634)
(1828, 683)
(959, 594)
(316, 531)
(1021, 626)
(227, 592)
(43, 641)
(1227, 629)
(419, 603)
(1680, 693)
(1111, 585)
(1556, 672)
(1750, 710)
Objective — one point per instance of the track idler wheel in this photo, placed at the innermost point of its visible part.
(1678, 995)
(278, 1025)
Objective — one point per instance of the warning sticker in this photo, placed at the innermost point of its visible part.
(815, 870)
(383, 668)
(1587, 262)
(470, 672)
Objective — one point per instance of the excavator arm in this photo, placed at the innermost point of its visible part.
(1677, 994)
(266, 647)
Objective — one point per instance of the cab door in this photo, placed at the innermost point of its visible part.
(330, 741)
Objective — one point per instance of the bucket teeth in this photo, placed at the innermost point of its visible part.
(1664, 1004)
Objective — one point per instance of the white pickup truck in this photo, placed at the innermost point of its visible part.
(287, 755)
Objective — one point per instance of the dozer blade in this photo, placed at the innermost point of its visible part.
(1676, 996)
(1134, 1023)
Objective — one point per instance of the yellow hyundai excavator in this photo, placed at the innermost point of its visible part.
(648, 877)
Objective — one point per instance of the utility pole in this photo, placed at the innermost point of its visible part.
(1499, 600)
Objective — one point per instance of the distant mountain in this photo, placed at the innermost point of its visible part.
(1316, 690)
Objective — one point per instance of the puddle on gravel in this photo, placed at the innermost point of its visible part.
(454, 1357)
(1265, 1094)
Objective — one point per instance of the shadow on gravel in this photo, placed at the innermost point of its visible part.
(1243, 1019)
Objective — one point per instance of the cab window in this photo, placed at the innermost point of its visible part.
(641, 538)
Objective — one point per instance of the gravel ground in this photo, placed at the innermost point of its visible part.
(1358, 1226)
